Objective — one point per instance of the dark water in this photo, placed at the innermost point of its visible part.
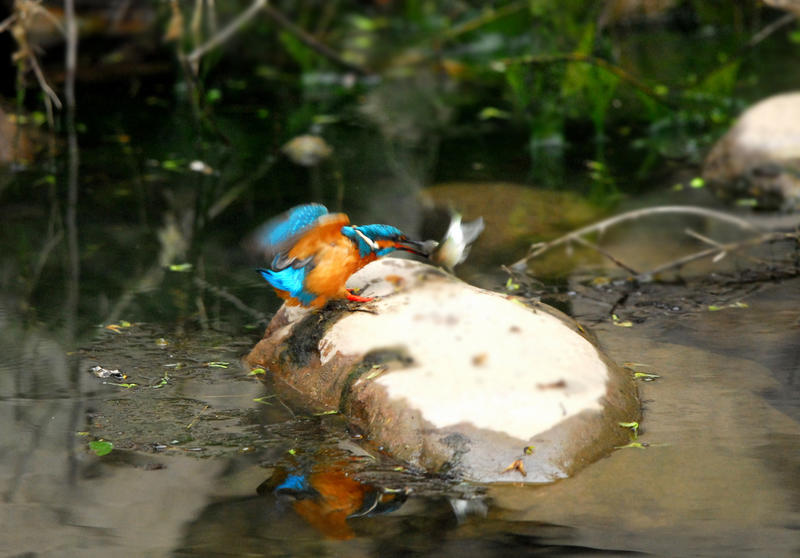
(201, 448)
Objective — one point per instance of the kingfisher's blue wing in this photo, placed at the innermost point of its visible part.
(290, 280)
(278, 234)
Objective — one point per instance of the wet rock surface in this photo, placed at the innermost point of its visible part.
(453, 379)
(759, 158)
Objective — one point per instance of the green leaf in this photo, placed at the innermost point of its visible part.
(213, 95)
(218, 364)
(181, 268)
(101, 447)
(697, 182)
(494, 112)
(257, 371)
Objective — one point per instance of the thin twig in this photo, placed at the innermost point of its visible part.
(311, 42)
(231, 195)
(595, 61)
(769, 30)
(227, 32)
(488, 16)
(37, 70)
(600, 226)
(71, 57)
(607, 254)
(6, 23)
(234, 300)
(728, 247)
(722, 252)
(755, 40)
(702, 238)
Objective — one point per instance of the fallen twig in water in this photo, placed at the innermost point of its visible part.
(765, 238)
(717, 250)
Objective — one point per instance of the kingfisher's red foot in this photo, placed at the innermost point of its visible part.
(356, 298)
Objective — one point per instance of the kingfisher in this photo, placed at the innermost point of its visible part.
(313, 253)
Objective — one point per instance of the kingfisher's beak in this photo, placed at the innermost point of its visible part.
(423, 249)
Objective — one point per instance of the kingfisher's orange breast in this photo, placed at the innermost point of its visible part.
(336, 258)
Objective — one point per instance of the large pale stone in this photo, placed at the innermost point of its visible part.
(452, 378)
(759, 157)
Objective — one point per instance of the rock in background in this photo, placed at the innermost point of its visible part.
(759, 157)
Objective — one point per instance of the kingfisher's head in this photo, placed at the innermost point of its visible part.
(382, 239)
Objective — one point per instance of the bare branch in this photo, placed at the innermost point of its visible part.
(728, 247)
(227, 32)
(600, 226)
(312, 43)
(37, 70)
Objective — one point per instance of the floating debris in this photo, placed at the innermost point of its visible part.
(201, 167)
(716, 308)
(117, 327)
(106, 373)
(307, 150)
(620, 323)
(518, 466)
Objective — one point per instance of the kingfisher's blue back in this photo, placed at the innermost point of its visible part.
(312, 253)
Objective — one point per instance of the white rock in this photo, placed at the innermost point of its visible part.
(453, 378)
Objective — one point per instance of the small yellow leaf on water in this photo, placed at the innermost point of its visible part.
(619, 323)
(639, 445)
(257, 371)
(738, 304)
